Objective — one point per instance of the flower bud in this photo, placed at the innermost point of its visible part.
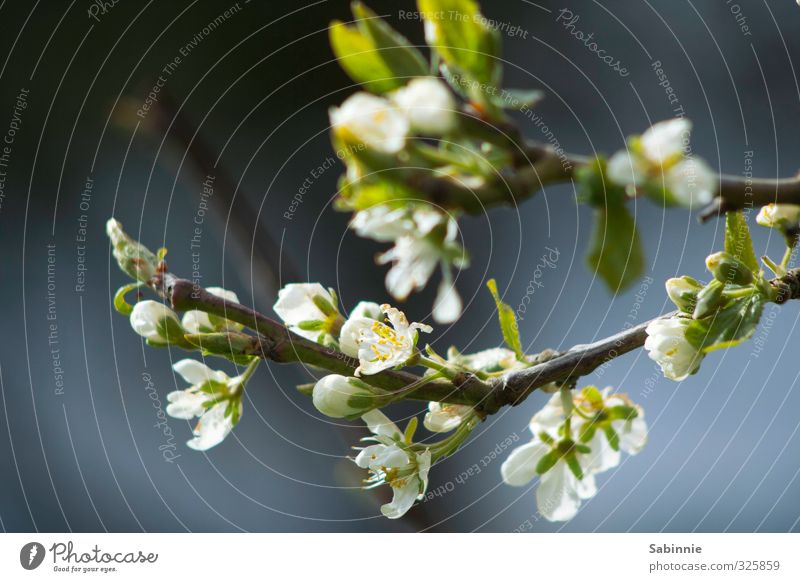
(683, 292)
(708, 299)
(429, 106)
(157, 323)
(371, 121)
(341, 397)
(728, 269)
(133, 258)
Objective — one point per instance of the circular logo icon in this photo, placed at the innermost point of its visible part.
(31, 555)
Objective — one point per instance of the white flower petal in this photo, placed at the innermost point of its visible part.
(212, 428)
(633, 434)
(185, 404)
(403, 498)
(197, 373)
(520, 466)
(666, 139)
(351, 333)
(556, 496)
(447, 307)
(379, 424)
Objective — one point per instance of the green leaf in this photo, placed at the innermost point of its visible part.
(738, 242)
(508, 321)
(594, 189)
(464, 41)
(401, 58)
(411, 428)
(615, 251)
(359, 58)
(373, 53)
(518, 99)
(729, 326)
(547, 462)
(120, 304)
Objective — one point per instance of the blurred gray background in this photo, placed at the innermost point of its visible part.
(248, 104)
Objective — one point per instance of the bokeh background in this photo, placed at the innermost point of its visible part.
(248, 105)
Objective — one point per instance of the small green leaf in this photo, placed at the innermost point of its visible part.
(508, 321)
(738, 242)
(621, 412)
(401, 58)
(361, 60)
(518, 99)
(612, 436)
(120, 304)
(373, 53)
(729, 326)
(587, 432)
(547, 462)
(615, 251)
(411, 428)
(460, 35)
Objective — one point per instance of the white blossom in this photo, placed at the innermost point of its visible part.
(196, 321)
(667, 344)
(372, 121)
(691, 182)
(150, 320)
(666, 140)
(429, 106)
(381, 346)
(781, 216)
(414, 258)
(209, 398)
(385, 223)
(388, 461)
(341, 397)
(443, 417)
(295, 305)
(659, 158)
(559, 494)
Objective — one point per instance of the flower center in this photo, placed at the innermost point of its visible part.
(386, 341)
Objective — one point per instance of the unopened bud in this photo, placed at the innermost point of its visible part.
(133, 258)
(708, 299)
(683, 292)
(728, 269)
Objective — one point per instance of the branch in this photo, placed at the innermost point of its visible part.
(538, 165)
(276, 343)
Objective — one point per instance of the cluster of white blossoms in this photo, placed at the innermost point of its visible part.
(424, 236)
(213, 397)
(570, 447)
(393, 461)
(425, 106)
(657, 161)
(380, 336)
